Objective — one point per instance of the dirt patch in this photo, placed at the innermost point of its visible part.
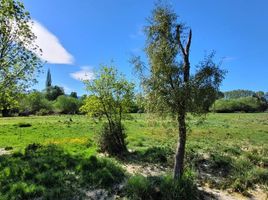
(211, 193)
(4, 152)
(145, 169)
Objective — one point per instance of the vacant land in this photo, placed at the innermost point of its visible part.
(225, 151)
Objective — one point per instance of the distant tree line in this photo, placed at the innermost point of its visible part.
(241, 101)
(53, 100)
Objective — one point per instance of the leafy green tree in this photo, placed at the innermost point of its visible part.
(168, 85)
(53, 92)
(74, 95)
(242, 104)
(111, 98)
(48, 80)
(19, 61)
(138, 104)
(67, 105)
(34, 102)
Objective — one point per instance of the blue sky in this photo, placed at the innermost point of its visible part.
(80, 35)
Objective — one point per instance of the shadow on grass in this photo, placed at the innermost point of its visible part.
(151, 155)
(50, 173)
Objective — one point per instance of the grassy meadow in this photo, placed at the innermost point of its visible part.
(226, 151)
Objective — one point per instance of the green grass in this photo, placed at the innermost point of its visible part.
(231, 148)
(51, 173)
(74, 135)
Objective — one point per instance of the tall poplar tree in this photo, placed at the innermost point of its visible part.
(48, 80)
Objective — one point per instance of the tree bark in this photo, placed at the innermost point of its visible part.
(179, 158)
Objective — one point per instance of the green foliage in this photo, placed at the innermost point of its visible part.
(34, 103)
(138, 104)
(67, 105)
(162, 188)
(111, 98)
(48, 172)
(111, 95)
(137, 187)
(112, 139)
(92, 107)
(74, 95)
(101, 173)
(156, 155)
(164, 81)
(53, 92)
(169, 88)
(243, 104)
(19, 54)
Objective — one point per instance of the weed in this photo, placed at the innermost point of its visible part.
(161, 188)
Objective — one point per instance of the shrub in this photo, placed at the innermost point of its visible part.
(67, 105)
(33, 103)
(43, 112)
(243, 104)
(112, 139)
(137, 187)
(162, 188)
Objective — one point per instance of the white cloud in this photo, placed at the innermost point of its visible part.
(86, 73)
(52, 50)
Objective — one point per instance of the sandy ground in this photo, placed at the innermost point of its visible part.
(3, 151)
(211, 193)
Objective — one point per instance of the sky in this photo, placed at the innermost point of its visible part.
(78, 36)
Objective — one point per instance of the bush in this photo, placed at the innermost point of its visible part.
(243, 104)
(35, 102)
(112, 139)
(161, 188)
(67, 105)
(138, 187)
